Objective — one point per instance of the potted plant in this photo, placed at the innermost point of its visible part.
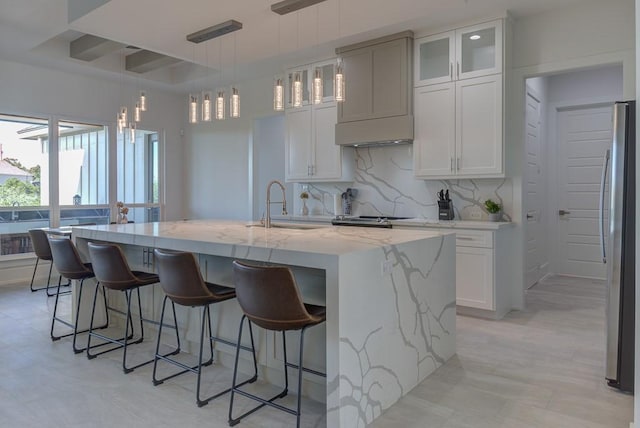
(494, 209)
(304, 210)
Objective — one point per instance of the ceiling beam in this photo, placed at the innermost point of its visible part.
(143, 61)
(88, 47)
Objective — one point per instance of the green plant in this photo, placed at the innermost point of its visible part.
(304, 195)
(492, 207)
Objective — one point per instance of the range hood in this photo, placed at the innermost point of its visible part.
(378, 107)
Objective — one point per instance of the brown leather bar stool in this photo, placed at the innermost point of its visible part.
(41, 247)
(112, 271)
(70, 266)
(269, 297)
(183, 284)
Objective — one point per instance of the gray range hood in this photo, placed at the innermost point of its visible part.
(378, 107)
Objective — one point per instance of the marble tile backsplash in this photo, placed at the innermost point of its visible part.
(386, 185)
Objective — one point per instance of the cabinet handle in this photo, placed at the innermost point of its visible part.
(458, 164)
(308, 169)
(451, 70)
(464, 238)
(452, 164)
(458, 69)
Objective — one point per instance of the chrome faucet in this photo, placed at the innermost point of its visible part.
(267, 216)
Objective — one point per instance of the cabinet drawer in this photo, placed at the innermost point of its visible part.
(474, 238)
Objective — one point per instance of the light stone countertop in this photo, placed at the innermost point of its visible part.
(414, 222)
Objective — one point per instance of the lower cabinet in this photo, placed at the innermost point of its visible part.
(474, 277)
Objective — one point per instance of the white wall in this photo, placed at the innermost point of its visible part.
(586, 86)
(218, 161)
(586, 35)
(34, 91)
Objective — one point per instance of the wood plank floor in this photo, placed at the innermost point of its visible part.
(542, 367)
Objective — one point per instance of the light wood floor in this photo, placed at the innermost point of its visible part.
(542, 367)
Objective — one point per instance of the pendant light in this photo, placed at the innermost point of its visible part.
(193, 108)
(338, 84)
(137, 112)
(123, 119)
(220, 106)
(296, 90)
(278, 95)
(143, 101)
(132, 133)
(206, 106)
(234, 103)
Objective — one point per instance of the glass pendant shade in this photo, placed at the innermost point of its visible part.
(143, 101)
(124, 116)
(317, 86)
(206, 106)
(193, 108)
(338, 85)
(296, 95)
(137, 113)
(234, 103)
(132, 133)
(220, 106)
(278, 95)
(119, 123)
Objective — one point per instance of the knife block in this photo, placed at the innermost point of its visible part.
(445, 210)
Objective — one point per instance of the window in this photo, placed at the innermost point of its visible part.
(24, 184)
(83, 173)
(139, 175)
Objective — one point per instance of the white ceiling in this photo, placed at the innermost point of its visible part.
(37, 32)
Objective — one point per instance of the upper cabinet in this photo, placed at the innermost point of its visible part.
(461, 54)
(459, 88)
(311, 154)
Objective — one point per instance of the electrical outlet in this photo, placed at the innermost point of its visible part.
(386, 267)
(475, 214)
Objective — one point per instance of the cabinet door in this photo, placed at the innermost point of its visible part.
(298, 143)
(434, 57)
(434, 141)
(479, 50)
(305, 76)
(479, 126)
(474, 277)
(327, 163)
(358, 94)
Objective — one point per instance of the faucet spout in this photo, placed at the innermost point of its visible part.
(267, 216)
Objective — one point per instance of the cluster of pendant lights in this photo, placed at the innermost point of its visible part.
(317, 89)
(123, 116)
(213, 108)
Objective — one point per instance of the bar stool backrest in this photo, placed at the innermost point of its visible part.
(67, 260)
(269, 296)
(180, 278)
(110, 266)
(40, 244)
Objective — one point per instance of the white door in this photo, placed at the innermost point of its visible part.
(584, 135)
(534, 192)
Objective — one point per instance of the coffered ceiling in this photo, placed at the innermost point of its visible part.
(40, 32)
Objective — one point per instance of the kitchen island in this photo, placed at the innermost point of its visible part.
(390, 298)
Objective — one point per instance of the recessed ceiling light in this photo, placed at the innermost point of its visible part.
(475, 37)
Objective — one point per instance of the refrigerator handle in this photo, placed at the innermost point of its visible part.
(603, 181)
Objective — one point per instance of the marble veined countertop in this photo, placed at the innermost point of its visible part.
(303, 237)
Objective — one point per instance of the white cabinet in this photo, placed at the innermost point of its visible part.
(311, 154)
(474, 277)
(458, 129)
(310, 150)
(461, 54)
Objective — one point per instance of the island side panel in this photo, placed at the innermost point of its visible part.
(396, 325)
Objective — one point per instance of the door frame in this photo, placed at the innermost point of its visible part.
(516, 134)
(552, 171)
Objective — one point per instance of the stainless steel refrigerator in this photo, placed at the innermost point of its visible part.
(618, 250)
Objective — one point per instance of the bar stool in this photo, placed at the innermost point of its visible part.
(41, 247)
(112, 271)
(183, 284)
(269, 297)
(70, 266)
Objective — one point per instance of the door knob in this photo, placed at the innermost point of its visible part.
(529, 216)
(563, 212)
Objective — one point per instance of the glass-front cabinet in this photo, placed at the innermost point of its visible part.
(461, 54)
(306, 79)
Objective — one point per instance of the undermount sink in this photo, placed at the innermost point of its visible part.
(295, 226)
